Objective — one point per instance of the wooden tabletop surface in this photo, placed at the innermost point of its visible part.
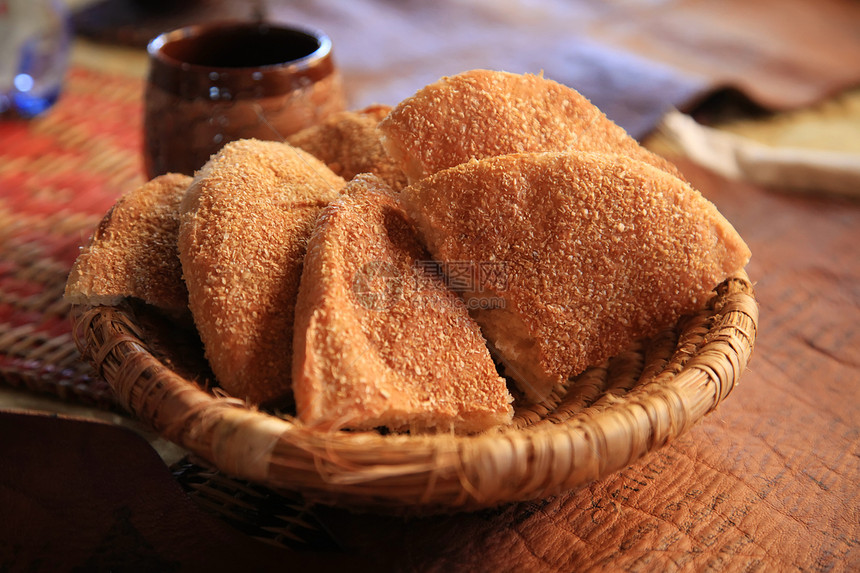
(768, 481)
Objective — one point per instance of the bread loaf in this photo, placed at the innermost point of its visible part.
(244, 226)
(483, 113)
(133, 251)
(380, 339)
(596, 251)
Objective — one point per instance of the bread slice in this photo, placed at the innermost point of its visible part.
(133, 251)
(589, 253)
(350, 143)
(483, 113)
(380, 340)
(244, 226)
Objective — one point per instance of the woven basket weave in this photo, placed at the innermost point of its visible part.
(596, 424)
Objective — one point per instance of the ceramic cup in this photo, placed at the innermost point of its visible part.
(215, 83)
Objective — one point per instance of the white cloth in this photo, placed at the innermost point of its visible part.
(786, 168)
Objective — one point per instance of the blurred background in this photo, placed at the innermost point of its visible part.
(777, 78)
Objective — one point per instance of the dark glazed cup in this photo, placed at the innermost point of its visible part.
(215, 83)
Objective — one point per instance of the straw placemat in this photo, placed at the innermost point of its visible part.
(59, 174)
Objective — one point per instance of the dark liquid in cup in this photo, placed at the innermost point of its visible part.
(231, 47)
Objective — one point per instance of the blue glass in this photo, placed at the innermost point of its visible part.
(35, 37)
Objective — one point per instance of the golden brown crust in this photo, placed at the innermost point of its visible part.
(350, 143)
(598, 251)
(380, 342)
(133, 251)
(484, 113)
(244, 228)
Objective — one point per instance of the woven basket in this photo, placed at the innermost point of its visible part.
(596, 424)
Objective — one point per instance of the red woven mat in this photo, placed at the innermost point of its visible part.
(58, 175)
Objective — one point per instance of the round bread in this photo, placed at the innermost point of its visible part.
(380, 338)
(133, 252)
(596, 252)
(483, 113)
(350, 143)
(243, 230)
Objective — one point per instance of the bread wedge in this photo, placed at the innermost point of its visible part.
(596, 251)
(350, 143)
(133, 251)
(483, 113)
(379, 339)
(244, 226)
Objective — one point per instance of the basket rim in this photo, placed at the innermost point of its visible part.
(370, 470)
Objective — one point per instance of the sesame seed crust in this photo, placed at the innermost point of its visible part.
(133, 253)
(350, 143)
(244, 227)
(378, 342)
(599, 251)
(483, 113)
